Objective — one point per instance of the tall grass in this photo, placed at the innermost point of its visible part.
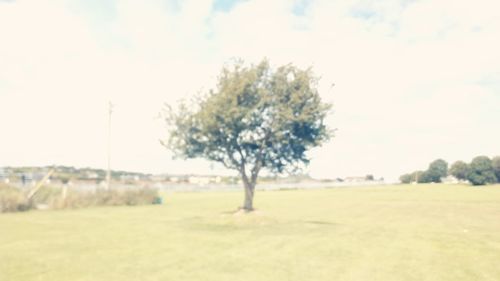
(14, 200)
(112, 197)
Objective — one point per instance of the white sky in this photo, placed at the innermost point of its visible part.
(414, 80)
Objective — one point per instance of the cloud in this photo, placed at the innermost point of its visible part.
(414, 80)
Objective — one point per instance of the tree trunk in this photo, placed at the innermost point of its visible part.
(249, 192)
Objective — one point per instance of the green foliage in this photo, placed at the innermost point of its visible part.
(481, 171)
(459, 170)
(427, 177)
(495, 162)
(406, 178)
(440, 167)
(412, 177)
(437, 169)
(257, 118)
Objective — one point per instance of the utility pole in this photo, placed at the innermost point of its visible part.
(108, 174)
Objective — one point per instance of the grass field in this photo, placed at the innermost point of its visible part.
(425, 232)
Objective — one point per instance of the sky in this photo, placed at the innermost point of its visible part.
(414, 80)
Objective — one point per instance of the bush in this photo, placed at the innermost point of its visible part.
(406, 178)
(113, 197)
(13, 200)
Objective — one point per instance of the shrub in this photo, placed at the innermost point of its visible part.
(113, 197)
(13, 200)
(141, 196)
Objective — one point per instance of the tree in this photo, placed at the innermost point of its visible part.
(495, 162)
(369, 177)
(406, 178)
(459, 170)
(426, 177)
(437, 169)
(257, 118)
(481, 171)
(415, 176)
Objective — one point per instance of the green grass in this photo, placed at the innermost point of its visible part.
(425, 232)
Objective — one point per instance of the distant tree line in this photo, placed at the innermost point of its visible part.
(480, 171)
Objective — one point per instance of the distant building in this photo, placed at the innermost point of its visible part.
(450, 179)
(129, 178)
(160, 178)
(92, 175)
(199, 180)
(174, 179)
(204, 180)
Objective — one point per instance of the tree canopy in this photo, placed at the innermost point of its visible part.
(256, 118)
(495, 162)
(481, 171)
(437, 169)
(406, 178)
(459, 170)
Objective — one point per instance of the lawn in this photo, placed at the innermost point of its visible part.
(424, 232)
